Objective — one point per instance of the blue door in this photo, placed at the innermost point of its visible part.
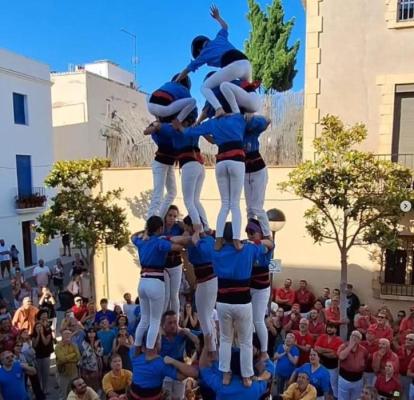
(24, 175)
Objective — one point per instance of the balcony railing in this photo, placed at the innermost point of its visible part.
(394, 289)
(37, 198)
(406, 10)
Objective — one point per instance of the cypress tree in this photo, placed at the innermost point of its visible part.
(273, 61)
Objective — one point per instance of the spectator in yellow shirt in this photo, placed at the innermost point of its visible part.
(67, 358)
(116, 382)
(300, 390)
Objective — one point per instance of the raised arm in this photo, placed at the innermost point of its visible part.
(152, 128)
(215, 13)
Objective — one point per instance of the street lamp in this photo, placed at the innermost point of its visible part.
(134, 59)
(277, 220)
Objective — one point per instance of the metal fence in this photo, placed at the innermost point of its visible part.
(406, 10)
(394, 289)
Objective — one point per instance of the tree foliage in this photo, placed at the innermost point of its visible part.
(356, 196)
(88, 215)
(273, 60)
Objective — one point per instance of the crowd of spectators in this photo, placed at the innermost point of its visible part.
(94, 353)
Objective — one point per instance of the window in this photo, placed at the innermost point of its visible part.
(403, 130)
(406, 10)
(20, 108)
(24, 175)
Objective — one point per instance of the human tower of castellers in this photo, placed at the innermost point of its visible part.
(232, 274)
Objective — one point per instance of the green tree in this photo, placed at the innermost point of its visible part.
(356, 196)
(272, 59)
(88, 215)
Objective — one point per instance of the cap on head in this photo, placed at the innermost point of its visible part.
(254, 225)
(197, 45)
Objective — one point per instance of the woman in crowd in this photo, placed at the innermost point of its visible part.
(190, 319)
(88, 319)
(121, 345)
(58, 275)
(276, 334)
(91, 360)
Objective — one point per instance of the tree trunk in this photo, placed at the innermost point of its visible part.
(92, 273)
(343, 301)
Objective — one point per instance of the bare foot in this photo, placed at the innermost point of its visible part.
(220, 112)
(227, 378)
(219, 243)
(247, 382)
(237, 244)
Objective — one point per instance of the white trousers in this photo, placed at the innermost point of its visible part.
(255, 184)
(205, 300)
(163, 177)
(333, 375)
(349, 390)
(151, 294)
(172, 278)
(239, 98)
(192, 178)
(182, 106)
(236, 319)
(230, 178)
(175, 389)
(240, 69)
(260, 300)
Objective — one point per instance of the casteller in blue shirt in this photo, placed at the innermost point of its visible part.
(212, 52)
(213, 378)
(152, 252)
(12, 385)
(319, 378)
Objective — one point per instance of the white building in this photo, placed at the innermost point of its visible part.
(86, 102)
(26, 152)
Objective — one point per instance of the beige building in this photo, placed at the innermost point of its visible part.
(91, 105)
(359, 65)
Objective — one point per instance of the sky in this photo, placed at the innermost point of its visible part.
(63, 32)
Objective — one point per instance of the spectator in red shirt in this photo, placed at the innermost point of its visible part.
(371, 344)
(291, 320)
(304, 297)
(352, 362)
(332, 313)
(407, 325)
(383, 355)
(388, 383)
(363, 320)
(318, 306)
(327, 346)
(79, 309)
(285, 296)
(316, 327)
(382, 328)
(304, 341)
(8, 335)
(405, 354)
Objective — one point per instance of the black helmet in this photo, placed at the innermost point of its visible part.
(197, 44)
(185, 82)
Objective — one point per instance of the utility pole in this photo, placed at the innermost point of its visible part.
(134, 58)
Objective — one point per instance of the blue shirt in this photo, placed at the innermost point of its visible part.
(108, 314)
(175, 230)
(229, 263)
(107, 340)
(152, 252)
(202, 253)
(163, 138)
(213, 378)
(229, 128)
(319, 378)
(254, 127)
(150, 374)
(284, 367)
(176, 90)
(173, 348)
(212, 52)
(12, 383)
